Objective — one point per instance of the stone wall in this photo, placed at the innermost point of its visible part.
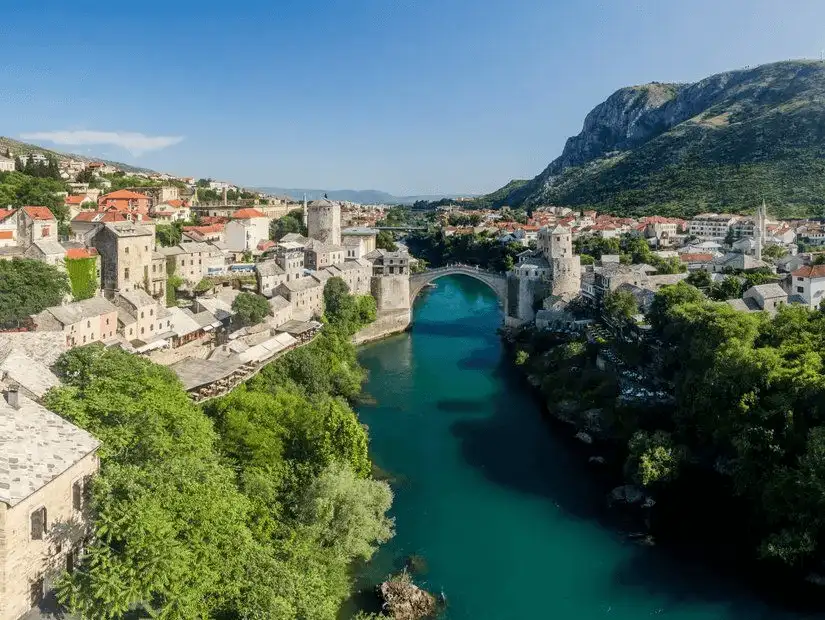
(387, 324)
(24, 561)
(391, 292)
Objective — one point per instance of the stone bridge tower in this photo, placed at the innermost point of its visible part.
(565, 267)
(324, 221)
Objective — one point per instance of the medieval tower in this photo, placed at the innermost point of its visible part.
(556, 246)
(324, 221)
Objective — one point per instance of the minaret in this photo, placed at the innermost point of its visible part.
(305, 209)
(759, 230)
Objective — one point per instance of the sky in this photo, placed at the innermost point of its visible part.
(405, 96)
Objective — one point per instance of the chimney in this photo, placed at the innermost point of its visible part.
(13, 396)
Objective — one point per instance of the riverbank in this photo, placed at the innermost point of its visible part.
(386, 324)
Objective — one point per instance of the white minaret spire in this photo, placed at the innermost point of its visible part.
(305, 208)
(759, 229)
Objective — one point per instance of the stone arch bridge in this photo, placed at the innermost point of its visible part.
(495, 280)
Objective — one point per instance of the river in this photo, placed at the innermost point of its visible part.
(505, 512)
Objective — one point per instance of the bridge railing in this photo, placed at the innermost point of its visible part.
(462, 266)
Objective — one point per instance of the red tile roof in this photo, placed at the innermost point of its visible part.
(109, 215)
(696, 258)
(205, 230)
(810, 271)
(177, 203)
(214, 219)
(4, 213)
(6, 234)
(76, 200)
(81, 253)
(38, 213)
(245, 214)
(265, 245)
(124, 194)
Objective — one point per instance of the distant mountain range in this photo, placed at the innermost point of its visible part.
(362, 196)
(724, 143)
(22, 148)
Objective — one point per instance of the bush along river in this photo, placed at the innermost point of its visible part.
(497, 507)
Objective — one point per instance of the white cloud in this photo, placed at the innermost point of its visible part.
(135, 143)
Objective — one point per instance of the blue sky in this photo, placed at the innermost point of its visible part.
(407, 96)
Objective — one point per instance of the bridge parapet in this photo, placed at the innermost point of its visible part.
(496, 280)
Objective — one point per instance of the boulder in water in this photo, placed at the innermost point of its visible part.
(627, 494)
(584, 437)
(403, 600)
(596, 460)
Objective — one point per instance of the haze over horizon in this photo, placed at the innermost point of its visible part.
(408, 98)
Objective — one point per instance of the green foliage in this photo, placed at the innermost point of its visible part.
(28, 287)
(19, 190)
(292, 222)
(774, 251)
(384, 241)
(250, 309)
(83, 277)
(169, 234)
(345, 312)
(700, 279)
(621, 306)
(652, 458)
(668, 298)
(437, 249)
(522, 357)
(173, 283)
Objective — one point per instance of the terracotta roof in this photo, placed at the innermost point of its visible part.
(211, 228)
(696, 258)
(810, 271)
(110, 215)
(81, 253)
(6, 234)
(245, 214)
(38, 213)
(4, 213)
(265, 245)
(177, 203)
(124, 194)
(76, 200)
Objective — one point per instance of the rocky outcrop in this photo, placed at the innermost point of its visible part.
(762, 115)
(403, 600)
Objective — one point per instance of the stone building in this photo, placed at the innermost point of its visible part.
(290, 258)
(565, 267)
(141, 318)
(306, 296)
(358, 242)
(319, 255)
(390, 282)
(127, 253)
(192, 261)
(270, 276)
(46, 464)
(82, 322)
(324, 221)
(35, 224)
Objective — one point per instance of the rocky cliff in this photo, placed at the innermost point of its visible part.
(719, 144)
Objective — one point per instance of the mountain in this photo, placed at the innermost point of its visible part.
(22, 148)
(362, 196)
(721, 144)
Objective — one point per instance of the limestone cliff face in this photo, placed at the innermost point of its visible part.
(734, 118)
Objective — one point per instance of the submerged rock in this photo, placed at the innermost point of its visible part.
(403, 600)
(597, 460)
(584, 437)
(627, 494)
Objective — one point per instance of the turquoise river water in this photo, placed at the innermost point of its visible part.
(504, 511)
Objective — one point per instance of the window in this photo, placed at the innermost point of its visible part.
(126, 273)
(38, 523)
(800, 279)
(151, 311)
(77, 495)
(800, 289)
(141, 314)
(142, 330)
(107, 321)
(88, 323)
(126, 250)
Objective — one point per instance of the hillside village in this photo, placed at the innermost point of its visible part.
(157, 268)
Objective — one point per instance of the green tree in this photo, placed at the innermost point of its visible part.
(621, 306)
(28, 287)
(700, 279)
(774, 251)
(385, 241)
(668, 298)
(250, 309)
(292, 222)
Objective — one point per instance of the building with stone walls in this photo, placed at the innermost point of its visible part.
(324, 221)
(358, 242)
(319, 255)
(390, 282)
(82, 322)
(192, 261)
(291, 259)
(46, 464)
(140, 317)
(127, 254)
(270, 275)
(565, 267)
(35, 224)
(306, 296)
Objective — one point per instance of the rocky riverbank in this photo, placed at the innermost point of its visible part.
(387, 324)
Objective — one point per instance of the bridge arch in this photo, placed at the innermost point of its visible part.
(497, 282)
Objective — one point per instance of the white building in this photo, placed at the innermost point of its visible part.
(711, 225)
(6, 164)
(246, 230)
(809, 283)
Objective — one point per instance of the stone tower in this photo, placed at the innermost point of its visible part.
(759, 230)
(324, 221)
(565, 267)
